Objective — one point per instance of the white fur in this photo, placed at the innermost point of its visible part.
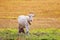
(23, 20)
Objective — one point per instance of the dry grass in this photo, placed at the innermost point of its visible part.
(47, 12)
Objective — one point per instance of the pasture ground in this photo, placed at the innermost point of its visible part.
(36, 34)
(47, 15)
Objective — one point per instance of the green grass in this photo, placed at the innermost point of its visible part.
(37, 34)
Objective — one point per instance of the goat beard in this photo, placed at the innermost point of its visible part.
(29, 22)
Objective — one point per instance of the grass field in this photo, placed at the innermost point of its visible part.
(42, 34)
(46, 24)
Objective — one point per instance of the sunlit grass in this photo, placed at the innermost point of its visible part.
(38, 34)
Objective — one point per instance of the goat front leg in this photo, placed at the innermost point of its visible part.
(27, 29)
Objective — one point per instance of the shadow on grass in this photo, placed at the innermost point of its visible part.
(48, 39)
(44, 39)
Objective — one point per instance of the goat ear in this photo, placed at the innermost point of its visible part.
(31, 14)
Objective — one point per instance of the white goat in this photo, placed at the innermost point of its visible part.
(25, 21)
